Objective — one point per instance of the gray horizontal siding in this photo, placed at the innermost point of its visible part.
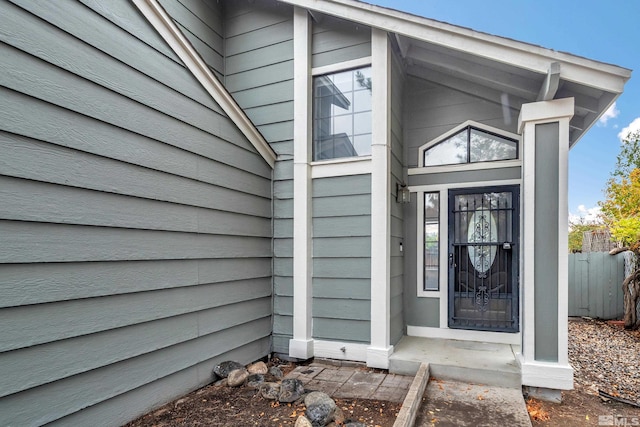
(136, 217)
(336, 40)
(258, 39)
(396, 220)
(431, 110)
(200, 22)
(342, 257)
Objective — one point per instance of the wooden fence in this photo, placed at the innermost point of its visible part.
(595, 285)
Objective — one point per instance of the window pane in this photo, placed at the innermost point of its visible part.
(362, 144)
(486, 147)
(362, 123)
(362, 101)
(450, 151)
(343, 125)
(340, 128)
(431, 241)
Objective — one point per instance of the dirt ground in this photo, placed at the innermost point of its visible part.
(230, 406)
(580, 409)
(225, 406)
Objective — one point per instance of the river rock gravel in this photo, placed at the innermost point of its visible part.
(605, 357)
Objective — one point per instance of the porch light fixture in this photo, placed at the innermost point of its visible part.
(403, 195)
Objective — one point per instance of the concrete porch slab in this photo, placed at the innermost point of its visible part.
(452, 403)
(469, 361)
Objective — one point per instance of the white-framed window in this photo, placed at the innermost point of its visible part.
(342, 114)
(471, 145)
(431, 241)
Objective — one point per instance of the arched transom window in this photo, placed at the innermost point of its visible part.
(470, 144)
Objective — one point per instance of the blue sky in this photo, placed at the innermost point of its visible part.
(606, 31)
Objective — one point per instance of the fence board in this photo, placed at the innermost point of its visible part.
(595, 281)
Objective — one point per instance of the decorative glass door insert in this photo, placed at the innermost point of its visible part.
(483, 259)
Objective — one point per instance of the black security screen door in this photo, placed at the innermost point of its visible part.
(483, 259)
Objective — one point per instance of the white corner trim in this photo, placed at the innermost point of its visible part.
(563, 237)
(546, 111)
(340, 350)
(341, 167)
(302, 225)
(380, 191)
(548, 375)
(301, 349)
(379, 357)
(528, 242)
(341, 66)
(164, 25)
(162, 22)
(464, 335)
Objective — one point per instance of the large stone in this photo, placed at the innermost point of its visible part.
(255, 380)
(276, 372)
(237, 377)
(320, 408)
(222, 370)
(355, 424)
(291, 389)
(270, 391)
(258, 368)
(302, 421)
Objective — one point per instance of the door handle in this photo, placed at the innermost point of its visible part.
(451, 263)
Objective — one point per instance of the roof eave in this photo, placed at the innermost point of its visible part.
(606, 77)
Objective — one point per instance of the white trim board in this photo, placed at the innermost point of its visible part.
(164, 25)
(340, 350)
(342, 66)
(548, 375)
(341, 167)
(464, 335)
(301, 346)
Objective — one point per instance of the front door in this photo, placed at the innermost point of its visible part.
(483, 259)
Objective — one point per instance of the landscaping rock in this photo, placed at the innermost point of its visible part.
(302, 421)
(270, 391)
(290, 390)
(255, 380)
(276, 372)
(338, 416)
(320, 408)
(223, 369)
(221, 383)
(258, 368)
(237, 377)
(355, 424)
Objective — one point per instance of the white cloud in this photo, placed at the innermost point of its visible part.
(585, 215)
(634, 126)
(611, 113)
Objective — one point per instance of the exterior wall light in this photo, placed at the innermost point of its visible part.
(403, 195)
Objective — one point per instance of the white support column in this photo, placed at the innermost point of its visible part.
(301, 346)
(536, 373)
(380, 350)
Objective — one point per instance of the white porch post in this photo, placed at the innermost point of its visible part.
(380, 350)
(301, 346)
(545, 133)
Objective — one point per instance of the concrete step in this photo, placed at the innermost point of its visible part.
(472, 362)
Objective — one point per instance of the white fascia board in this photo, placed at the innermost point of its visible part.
(531, 57)
(164, 25)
